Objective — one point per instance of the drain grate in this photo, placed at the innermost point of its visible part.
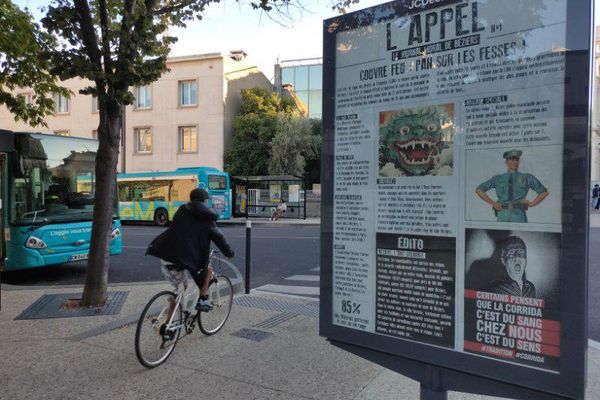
(252, 334)
(307, 309)
(276, 320)
(50, 306)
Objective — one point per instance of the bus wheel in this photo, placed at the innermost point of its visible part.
(161, 218)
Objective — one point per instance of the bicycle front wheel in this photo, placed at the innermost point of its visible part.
(220, 295)
(154, 339)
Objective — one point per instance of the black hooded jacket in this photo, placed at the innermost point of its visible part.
(186, 242)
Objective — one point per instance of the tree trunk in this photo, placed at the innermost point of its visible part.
(95, 289)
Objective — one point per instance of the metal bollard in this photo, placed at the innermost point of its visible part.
(248, 256)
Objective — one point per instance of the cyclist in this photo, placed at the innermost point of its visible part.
(185, 245)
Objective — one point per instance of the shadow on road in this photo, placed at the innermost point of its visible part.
(62, 274)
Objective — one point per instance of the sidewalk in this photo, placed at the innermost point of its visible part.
(69, 358)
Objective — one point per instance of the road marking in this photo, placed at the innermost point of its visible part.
(299, 290)
(307, 278)
(594, 344)
(318, 269)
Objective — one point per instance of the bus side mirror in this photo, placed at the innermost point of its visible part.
(18, 170)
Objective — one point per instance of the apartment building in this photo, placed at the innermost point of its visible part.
(184, 119)
(595, 169)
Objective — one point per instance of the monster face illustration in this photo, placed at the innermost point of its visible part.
(413, 139)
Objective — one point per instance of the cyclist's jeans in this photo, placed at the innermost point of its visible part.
(176, 274)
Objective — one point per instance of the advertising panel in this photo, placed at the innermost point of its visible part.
(447, 147)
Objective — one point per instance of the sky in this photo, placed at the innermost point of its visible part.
(231, 25)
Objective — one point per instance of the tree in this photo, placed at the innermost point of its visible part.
(253, 131)
(292, 145)
(22, 44)
(313, 161)
(116, 45)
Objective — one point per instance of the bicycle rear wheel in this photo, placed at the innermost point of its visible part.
(220, 294)
(154, 342)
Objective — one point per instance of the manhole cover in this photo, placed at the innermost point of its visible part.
(252, 334)
(58, 306)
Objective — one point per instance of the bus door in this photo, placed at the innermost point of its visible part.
(239, 197)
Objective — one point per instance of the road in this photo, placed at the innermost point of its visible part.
(278, 252)
(285, 258)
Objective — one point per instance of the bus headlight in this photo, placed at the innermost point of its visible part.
(115, 234)
(35, 243)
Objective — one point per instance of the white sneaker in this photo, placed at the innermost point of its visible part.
(204, 305)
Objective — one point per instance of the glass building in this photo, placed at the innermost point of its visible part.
(306, 77)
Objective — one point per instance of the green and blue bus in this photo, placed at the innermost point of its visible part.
(155, 196)
(47, 187)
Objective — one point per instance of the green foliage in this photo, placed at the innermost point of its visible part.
(292, 145)
(313, 161)
(247, 158)
(272, 137)
(265, 103)
(254, 130)
(22, 44)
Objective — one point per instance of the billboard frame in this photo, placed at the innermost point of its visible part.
(440, 369)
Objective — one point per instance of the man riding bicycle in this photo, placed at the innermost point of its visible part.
(185, 245)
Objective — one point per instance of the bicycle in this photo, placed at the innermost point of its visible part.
(169, 313)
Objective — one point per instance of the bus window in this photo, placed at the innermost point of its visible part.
(181, 188)
(57, 183)
(125, 192)
(217, 182)
(150, 190)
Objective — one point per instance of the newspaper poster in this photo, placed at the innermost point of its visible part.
(448, 155)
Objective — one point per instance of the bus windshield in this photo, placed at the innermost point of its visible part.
(52, 180)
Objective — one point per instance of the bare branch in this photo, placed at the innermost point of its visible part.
(88, 33)
(106, 50)
(176, 7)
(124, 48)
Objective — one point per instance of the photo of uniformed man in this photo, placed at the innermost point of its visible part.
(511, 190)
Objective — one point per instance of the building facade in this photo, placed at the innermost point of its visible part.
(184, 119)
(305, 78)
(595, 168)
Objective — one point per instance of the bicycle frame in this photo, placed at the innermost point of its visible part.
(180, 302)
(181, 295)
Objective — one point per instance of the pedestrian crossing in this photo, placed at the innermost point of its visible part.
(296, 285)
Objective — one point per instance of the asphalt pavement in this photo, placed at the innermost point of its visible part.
(278, 250)
(285, 260)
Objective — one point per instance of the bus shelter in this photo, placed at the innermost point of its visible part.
(258, 196)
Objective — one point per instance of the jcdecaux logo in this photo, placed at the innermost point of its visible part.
(426, 3)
